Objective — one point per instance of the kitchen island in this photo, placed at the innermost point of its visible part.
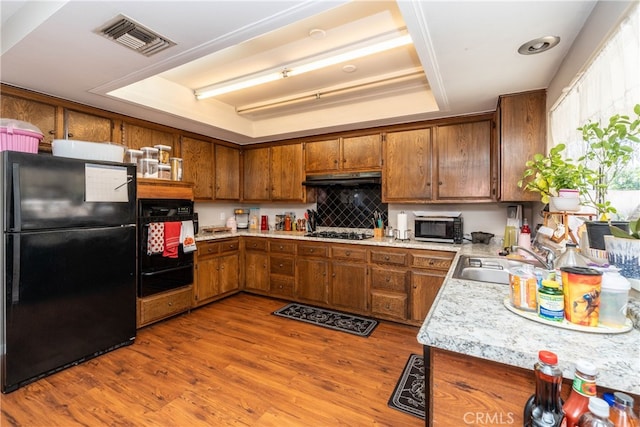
(479, 355)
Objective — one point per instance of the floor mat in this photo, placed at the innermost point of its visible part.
(343, 322)
(408, 395)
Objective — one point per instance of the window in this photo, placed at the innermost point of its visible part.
(609, 85)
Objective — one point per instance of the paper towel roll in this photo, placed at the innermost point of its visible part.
(402, 222)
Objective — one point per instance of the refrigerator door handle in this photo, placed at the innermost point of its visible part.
(15, 284)
(17, 199)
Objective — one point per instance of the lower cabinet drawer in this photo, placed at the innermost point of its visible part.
(389, 305)
(283, 265)
(281, 285)
(389, 280)
(164, 305)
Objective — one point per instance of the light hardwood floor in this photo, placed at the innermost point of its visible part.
(228, 363)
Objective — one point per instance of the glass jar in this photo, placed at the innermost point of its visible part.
(176, 168)
(164, 171)
(149, 168)
(164, 152)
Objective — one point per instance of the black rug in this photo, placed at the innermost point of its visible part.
(408, 395)
(343, 322)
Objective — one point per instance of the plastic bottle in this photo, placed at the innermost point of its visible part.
(544, 408)
(551, 301)
(598, 415)
(584, 387)
(621, 413)
(232, 224)
(524, 239)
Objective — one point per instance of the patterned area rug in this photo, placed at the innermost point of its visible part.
(343, 322)
(408, 396)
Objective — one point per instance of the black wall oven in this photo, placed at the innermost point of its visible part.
(158, 273)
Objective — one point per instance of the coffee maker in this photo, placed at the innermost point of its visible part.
(242, 217)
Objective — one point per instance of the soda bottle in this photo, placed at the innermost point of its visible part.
(544, 408)
(598, 415)
(584, 387)
(621, 413)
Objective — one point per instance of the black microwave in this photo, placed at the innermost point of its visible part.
(438, 227)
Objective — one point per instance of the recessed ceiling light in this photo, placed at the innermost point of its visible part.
(538, 45)
(349, 68)
(317, 34)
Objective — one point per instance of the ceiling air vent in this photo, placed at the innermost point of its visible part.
(134, 36)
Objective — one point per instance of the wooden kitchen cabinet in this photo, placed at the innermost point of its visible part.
(256, 174)
(273, 174)
(226, 172)
(287, 173)
(135, 136)
(217, 270)
(346, 154)
(349, 288)
(407, 174)
(256, 265)
(197, 166)
(282, 268)
(464, 162)
(39, 113)
(522, 124)
(389, 278)
(312, 278)
(87, 127)
(428, 270)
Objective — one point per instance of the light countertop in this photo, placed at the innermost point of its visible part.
(469, 317)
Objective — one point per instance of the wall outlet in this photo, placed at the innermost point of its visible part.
(222, 216)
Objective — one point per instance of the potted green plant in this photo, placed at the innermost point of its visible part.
(608, 149)
(549, 174)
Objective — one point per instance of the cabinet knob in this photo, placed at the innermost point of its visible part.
(52, 132)
(311, 250)
(348, 253)
(281, 265)
(439, 182)
(169, 304)
(387, 306)
(388, 279)
(386, 257)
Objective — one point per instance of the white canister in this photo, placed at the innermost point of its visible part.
(614, 297)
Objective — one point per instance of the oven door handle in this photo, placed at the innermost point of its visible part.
(153, 273)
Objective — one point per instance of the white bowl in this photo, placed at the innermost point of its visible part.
(102, 151)
(564, 204)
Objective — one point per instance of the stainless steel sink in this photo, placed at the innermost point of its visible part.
(487, 269)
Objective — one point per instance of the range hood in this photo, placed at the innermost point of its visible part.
(344, 179)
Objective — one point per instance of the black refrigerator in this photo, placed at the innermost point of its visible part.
(68, 263)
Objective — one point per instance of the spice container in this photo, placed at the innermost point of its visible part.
(149, 168)
(149, 153)
(176, 168)
(164, 152)
(133, 156)
(164, 171)
(551, 301)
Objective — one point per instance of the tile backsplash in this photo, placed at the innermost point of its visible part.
(350, 207)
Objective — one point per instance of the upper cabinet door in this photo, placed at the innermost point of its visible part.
(87, 127)
(287, 173)
(256, 182)
(135, 137)
(322, 156)
(523, 132)
(37, 113)
(362, 153)
(227, 173)
(198, 166)
(464, 161)
(407, 168)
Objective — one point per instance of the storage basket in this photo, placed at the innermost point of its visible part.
(16, 135)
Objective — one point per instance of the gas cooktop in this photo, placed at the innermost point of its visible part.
(345, 235)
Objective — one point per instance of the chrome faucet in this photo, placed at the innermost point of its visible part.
(548, 263)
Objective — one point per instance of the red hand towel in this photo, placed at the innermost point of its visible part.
(171, 239)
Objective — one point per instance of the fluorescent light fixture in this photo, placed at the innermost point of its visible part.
(296, 70)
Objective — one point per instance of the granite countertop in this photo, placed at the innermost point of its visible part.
(469, 317)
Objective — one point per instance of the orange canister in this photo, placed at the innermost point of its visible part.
(581, 287)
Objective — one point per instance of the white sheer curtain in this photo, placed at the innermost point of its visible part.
(609, 85)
